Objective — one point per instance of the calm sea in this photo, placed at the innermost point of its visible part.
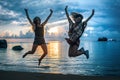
(104, 58)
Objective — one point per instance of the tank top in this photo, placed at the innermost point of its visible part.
(39, 32)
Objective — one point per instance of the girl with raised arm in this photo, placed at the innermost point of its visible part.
(76, 30)
(39, 39)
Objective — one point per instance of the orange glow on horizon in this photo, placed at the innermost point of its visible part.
(53, 30)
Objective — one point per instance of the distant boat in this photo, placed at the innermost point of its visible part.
(112, 40)
(102, 39)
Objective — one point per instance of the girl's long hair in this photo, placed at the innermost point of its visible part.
(76, 15)
(34, 21)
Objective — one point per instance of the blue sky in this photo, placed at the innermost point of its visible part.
(104, 23)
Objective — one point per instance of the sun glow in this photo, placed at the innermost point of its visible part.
(54, 49)
(53, 30)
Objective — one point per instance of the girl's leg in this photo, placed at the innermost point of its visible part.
(73, 50)
(34, 47)
(44, 48)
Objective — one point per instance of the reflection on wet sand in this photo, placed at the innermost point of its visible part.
(54, 49)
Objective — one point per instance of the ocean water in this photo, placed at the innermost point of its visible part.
(104, 58)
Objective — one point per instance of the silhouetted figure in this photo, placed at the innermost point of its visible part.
(39, 40)
(76, 30)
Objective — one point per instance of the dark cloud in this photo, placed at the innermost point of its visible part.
(106, 15)
(113, 12)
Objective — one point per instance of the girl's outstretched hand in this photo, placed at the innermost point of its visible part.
(26, 10)
(93, 11)
(66, 7)
(51, 10)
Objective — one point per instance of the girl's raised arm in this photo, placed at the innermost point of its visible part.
(67, 14)
(51, 11)
(26, 11)
(90, 16)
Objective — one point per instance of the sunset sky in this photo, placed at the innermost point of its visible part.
(104, 23)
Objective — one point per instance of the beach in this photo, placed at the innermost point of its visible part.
(102, 64)
(14, 75)
(24, 24)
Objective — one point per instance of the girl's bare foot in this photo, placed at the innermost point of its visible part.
(39, 62)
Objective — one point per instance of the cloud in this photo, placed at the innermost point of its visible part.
(7, 12)
(7, 15)
(106, 13)
(20, 23)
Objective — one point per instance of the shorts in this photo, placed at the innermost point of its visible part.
(39, 41)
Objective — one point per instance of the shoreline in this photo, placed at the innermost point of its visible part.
(15, 75)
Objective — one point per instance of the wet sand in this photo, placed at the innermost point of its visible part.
(14, 75)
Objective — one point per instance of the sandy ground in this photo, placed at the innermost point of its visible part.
(14, 75)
